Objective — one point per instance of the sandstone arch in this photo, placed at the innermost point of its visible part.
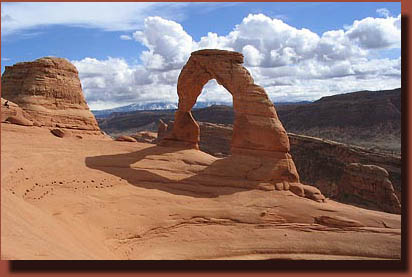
(256, 125)
(257, 130)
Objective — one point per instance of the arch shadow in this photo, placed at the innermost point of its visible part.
(215, 179)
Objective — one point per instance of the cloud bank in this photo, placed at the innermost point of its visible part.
(291, 64)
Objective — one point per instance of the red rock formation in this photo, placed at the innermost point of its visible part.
(257, 131)
(256, 125)
(370, 184)
(60, 133)
(12, 113)
(49, 91)
(161, 129)
(320, 163)
(125, 138)
(145, 137)
(19, 120)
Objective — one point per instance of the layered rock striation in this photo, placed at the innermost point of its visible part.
(369, 183)
(50, 93)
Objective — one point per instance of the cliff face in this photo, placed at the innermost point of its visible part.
(49, 91)
(326, 165)
(365, 118)
(322, 162)
(370, 184)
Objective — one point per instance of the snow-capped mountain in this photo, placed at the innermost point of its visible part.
(151, 106)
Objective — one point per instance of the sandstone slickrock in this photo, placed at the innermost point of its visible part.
(107, 200)
(11, 109)
(60, 133)
(369, 183)
(257, 132)
(313, 193)
(145, 137)
(320, 163)
(19, 120)
(125, 138)
(337, 221)
(49, 90)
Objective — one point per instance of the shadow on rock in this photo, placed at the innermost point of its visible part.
(177, 171)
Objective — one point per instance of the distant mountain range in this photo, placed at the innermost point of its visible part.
(153, 106)
(370, 119)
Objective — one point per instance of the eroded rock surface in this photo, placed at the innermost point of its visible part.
(256, 125)
(125, 138)
(369, 183)
(321, 163)
(257, 131)
(107, 200)
(145, 137)
(49, 91)
(60, 133)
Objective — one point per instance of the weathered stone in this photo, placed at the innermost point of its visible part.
(145, 137)
(125, 138)
(297, 188)
(370, 185)
(257, 131)
(60, 133)
(161, 129)
(49, 90)
(320, 163)
(337, 221)
(279, 186)
(11, 109)
(256, 125)
(313, 193)
(19, 120)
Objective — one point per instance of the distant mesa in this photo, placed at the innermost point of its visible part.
(257, 131)
(49, 92)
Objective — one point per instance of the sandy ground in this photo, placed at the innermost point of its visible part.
(71, 198)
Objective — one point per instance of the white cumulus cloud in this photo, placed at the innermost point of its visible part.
(372, 33)
(290, 63)
(125, 37)
(169, 45)
(383, 12)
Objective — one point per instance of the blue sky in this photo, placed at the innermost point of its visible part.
(297, 51)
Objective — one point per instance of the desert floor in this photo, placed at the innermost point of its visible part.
(93, 198)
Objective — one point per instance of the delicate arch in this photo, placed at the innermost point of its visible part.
(256, 125)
